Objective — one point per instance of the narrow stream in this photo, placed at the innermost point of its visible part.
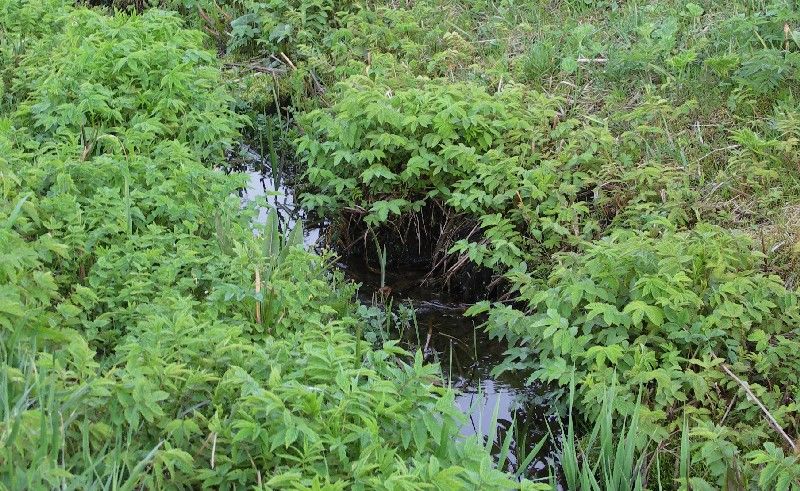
(466, 354)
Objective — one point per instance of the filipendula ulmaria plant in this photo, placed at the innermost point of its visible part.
(663, 312)
(130, 355)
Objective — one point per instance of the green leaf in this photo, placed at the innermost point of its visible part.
(569, 65)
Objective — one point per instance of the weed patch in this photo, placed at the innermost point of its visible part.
(151, 339)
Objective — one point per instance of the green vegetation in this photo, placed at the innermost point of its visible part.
(136, 350)
(661, 315)
(451, 143)
(627, 172)
(623, 174)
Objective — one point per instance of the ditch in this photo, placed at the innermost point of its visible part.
(502, 406)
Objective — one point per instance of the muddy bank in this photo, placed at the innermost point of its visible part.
(417, 242)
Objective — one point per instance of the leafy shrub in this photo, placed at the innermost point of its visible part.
(254, 26)
(533, 184)
(137, 79)
(391, 152)
(661, 313)
(411, 143)
(368, 35)
(137, 349)
(665, 115)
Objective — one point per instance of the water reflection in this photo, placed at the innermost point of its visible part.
(492, 404)
(468, 357)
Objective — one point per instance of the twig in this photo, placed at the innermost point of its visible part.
(317, 84)
(204, 15)
(777, 246)
(592, 60)
(464, 345)
(193, 408)
(721, 149)
(207, 26)
(257, 68)
(213, 450)
(714, 189)
(356, 209)
(428, 340)
(445, 256)
(728, 410)
(320, 88)
(258, 472)
(287, 60)
(770, 418)
(228, 17)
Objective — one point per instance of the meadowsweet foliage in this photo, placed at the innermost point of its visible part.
(531, 183)
(137, 80)
(491, 156)
(660, 314)
(652, 122)
(253, 27)
(582, 152)
(136, 350)
(410, 142)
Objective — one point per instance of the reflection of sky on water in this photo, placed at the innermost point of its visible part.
(481, 400)
(262, 190)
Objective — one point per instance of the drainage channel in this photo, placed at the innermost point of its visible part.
(467, 355)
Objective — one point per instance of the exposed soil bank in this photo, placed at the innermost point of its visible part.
(419, 243)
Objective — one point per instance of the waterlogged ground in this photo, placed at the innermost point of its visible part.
(492, 404)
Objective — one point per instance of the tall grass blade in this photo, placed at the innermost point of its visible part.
(138, 471)
(16, 212)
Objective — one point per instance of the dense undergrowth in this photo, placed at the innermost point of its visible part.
(627, 171)
(137, 353)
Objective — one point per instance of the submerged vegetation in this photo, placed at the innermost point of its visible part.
(617, 180)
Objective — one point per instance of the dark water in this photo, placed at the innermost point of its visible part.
(465, 352)
(467, 356)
